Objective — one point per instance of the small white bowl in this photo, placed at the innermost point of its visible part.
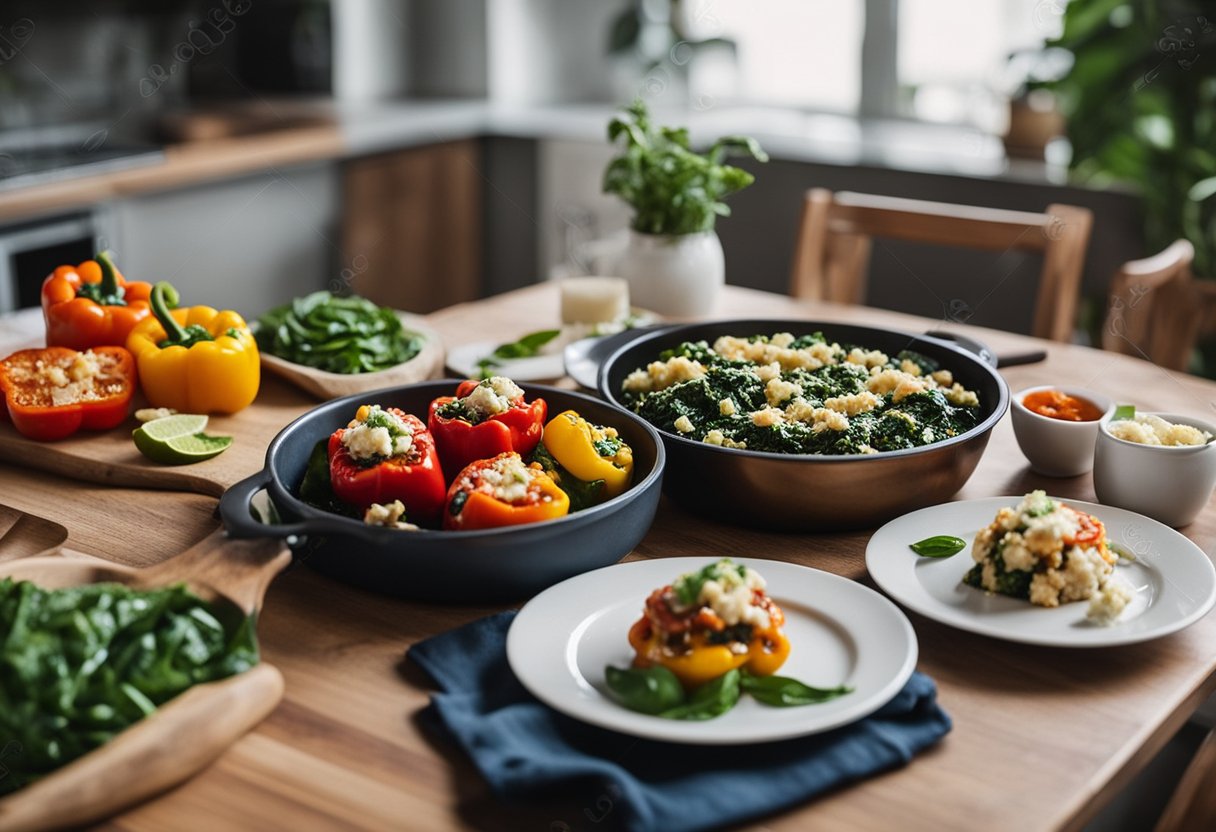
(1169, 483)
(1055, 447)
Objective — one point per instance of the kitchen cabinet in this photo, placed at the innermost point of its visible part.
(412, 226)
(247, 244)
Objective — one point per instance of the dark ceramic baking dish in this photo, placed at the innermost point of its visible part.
(452, 566)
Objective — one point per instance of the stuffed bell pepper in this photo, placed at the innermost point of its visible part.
(503, 491)
(709, 622)
(383, 456)
(484, 419)
(51, 393)
(196, 360)
(91, 305)
(589, 462)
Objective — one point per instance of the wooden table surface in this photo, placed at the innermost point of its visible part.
(1042, 737)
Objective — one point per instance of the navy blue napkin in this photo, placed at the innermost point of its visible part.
(526, 749)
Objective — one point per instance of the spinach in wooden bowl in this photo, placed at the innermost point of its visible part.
(80, 665)
(345, 335)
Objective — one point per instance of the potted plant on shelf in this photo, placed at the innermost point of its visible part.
(673, 260)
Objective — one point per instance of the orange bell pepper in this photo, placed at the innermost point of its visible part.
(503, 491)
(51, 393)
(91, 305)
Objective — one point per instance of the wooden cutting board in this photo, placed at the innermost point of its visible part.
(24, 535)
(110, 457)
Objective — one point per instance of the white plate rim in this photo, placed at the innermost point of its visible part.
(644, 575)
(886, 569)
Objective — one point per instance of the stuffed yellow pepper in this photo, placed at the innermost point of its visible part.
(196, 360)
(589, 462)
(709, 622)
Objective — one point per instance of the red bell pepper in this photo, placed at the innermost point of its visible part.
(53, 392)
(414, 477)
(503, 491)
(464, 434)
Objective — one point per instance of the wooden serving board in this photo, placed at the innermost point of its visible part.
(110, 457)
(186, 734)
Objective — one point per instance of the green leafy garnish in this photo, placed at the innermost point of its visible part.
(710, 700)
(671, 188)
(649, 690)
(528, 346)
(784, 692)
(80, 665)
(316, 488)
(337, 335)
(1124, 412)
(608, 447)
(939, 546)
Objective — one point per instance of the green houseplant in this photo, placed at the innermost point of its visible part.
(1140, 100)
(673, 261)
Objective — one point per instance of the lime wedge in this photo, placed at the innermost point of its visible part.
(179, 424)
(178, 440)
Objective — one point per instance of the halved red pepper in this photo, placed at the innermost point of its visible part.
(415, 477)
(53, 392)
(503, 491)
(462, 440)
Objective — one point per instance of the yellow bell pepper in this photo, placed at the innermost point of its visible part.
(195, 360)
(590, 452)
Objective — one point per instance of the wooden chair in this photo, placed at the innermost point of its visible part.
(1156, 310)
(833, 248)
(1193, 804)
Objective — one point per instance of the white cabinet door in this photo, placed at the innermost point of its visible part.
(245, 244)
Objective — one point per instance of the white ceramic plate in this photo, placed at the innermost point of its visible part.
(462, 361)
(1175, 582)
(840, 631)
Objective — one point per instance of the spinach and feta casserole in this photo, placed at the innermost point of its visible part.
(801, 395)
(1049, 553)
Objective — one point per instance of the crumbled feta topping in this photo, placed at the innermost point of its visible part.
(1109, 602)
(508, 478)
(660, 375)
(717, 437)
(375, 432)
(491, 397)
(391, 516)
(683, 425)
(1146, 429)
(727, 407)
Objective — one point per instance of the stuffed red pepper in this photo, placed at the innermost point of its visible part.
(503, 491)
(384, 455)
(53, 392)
(484, 419)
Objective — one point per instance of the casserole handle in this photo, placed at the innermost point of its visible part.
(239, 522)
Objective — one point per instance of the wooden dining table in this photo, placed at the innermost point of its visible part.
(1043, 737)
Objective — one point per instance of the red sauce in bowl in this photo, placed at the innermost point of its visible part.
(1055, 404)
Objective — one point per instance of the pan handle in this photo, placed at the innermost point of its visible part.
(236, 512)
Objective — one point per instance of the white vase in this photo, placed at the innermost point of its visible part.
(678, 275)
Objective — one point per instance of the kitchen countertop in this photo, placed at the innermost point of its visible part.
(1054, 732)
(360, 129)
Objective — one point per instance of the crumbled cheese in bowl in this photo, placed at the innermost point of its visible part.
(1148, 429)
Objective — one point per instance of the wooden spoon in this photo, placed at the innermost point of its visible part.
(187, 733)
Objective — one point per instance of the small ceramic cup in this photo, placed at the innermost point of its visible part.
(1168, 483)
(1057, 448)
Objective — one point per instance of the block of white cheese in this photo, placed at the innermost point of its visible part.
(594, 300)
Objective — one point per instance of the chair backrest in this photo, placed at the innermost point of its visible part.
(833, 249)
(1155, 310)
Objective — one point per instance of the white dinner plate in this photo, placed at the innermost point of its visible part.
(462, 361)
(841, 633)
(1174, 580)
